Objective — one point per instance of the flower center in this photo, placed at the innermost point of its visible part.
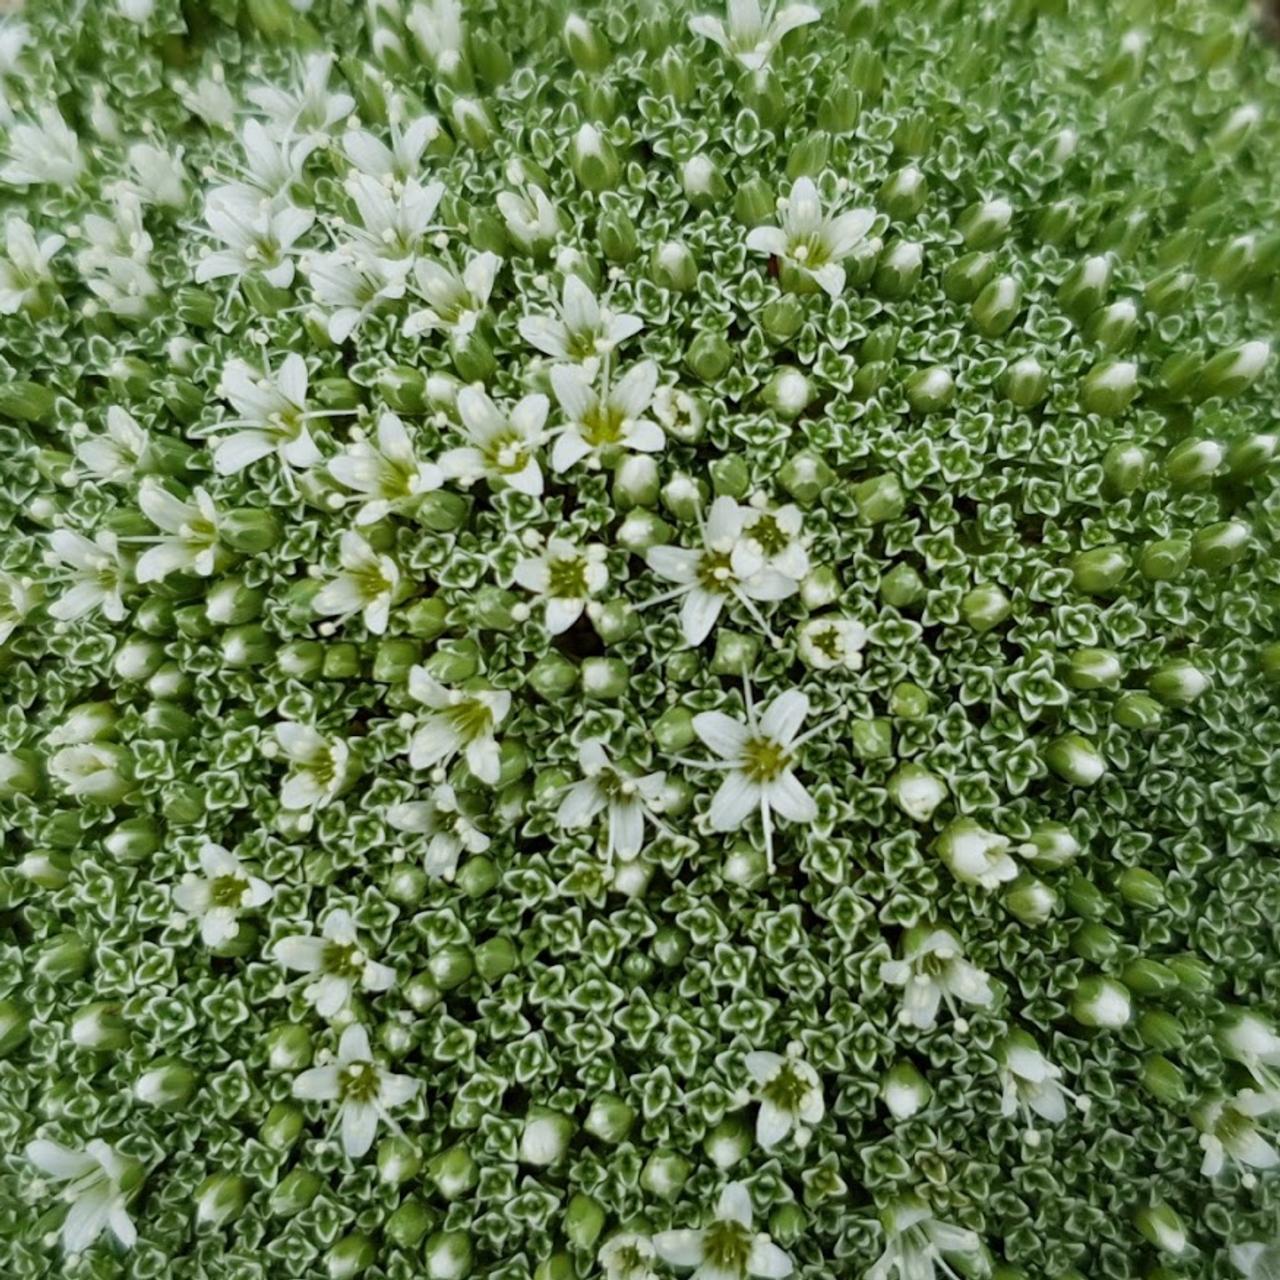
(567, 579)
(358, 1082)
(726, 1247)
(343, 959)
(787, 1090)
(809, 249)
(469, 719)
(827, 642)
(507, 453)
(226, 891)
(764, 760)
(773, 539)
(715, 572)
(602, 424)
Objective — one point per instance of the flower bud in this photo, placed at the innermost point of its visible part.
(1125, 466)
(610, 1119)
(350, 1256)
(903, 194)
(806, 477)
(169, 1083)
(1163, 1228)
(755, 203)
(448, 1255)
(727, 1143)
(899, 269)
(1109, 388)
(709, 356)
(282, 1127)
(1099, 570)
(997, 306)
(929, 390)
(965, 278)
(702, 182)
(985, 607)
(1163, 1079)
(673, 266)
(916, 791)
(294, 1193)
(1149, 978)
(288, 1047)
(809, 156)
(880, 499)
(453, 1172)
(1026, 382)
(902, 587)
(220, 1199)
(617, 235)
(904, 1091)
(1101, 1002)
(1031, 900)
(983, 225)
(730, 476)
(642, 529)
(1192, 461)
(1232, 371)
(594, 160)
(1178, 682)
(583, 1221)
(908, 701)
(1085, 287)
(1140, 888)
(735, 655)
(1168, 292)
(1095, 943)
(63, 958)
(251, 530)
(604, 679)
(398, 1160)
(788, 392)
(1093, 669)
(1218, 546)
(100, 1027)
(587, 48)
(406, 1227)
(1075, 760)
(1252, 454)
(1050, 847)
(1165, 560)
(546, 1137)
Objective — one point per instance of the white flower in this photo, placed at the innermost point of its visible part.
(271, 165)
(309, 109)
(96, 771)
(627, 1256)
(455, 302)
(450, 831)
(531, 219)
(727, 567)
(1255, 1260)
(790, 1094)
(253, 235)
(626, 798)
(17, 599)
(336, 963)
(122, 235)
(752, 36)
(831, 641)
(98, 1183)
(728, 1249)
(397, 162)
(159, 176)
(975, 855)
(209, 99)
(436, 26)
(125, 287)
(364, 1091)
(608, 417)
(25, 268)
(319, 765)
(273, 416)
(1252, 1041)
(461, 722)
(933, 970)
(390, 476)
(393, 221)
(217, 898)
(777, 537)
(758, 756)
(583, 331)
(503, 444)
(192, 528)
(100, 575)
(354, 283)
(1228, 1129)
(811, 241)
(46, 152)
(568, 576)
(917, 1244)
(1029, 1083)
(366, 584)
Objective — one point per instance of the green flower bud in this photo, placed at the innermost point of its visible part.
(735, 655)
(1161, 1030)
(929, 390)
(805, 477)
(809, 156)
(1085, 287)
(1095, 943)
(745, 866)
(984, 224)
(406, 1227)
(282, 1127)
(341, 661)
(1169, 292)
(404, 389)
(1178, 682)
(1139, 888)
(221, 1198)
(872, 739)
(1101, 1002)
(453, 1172)
(1125, 466)
(398, 1160)
(471, 122)
(965, 278)
(63, 958)
(617, 235)
(450, 967)
(997, 306)
(587, 48)
(1109, 388)
(610, 1119)
(494, 958)
(1252, 454)
(788, 392)
(1165, 560)
(1233, 371)
(1218, 546)
(1099, 570)
(1093, 669)
(1113, 327)
(904, 193)
(985, 607)
(909, 701)
(899, 269)
(1075, 760)
(294, 1193)
(448, 1255)
(546, 1137)
(904, 1091)
(614, 622)
(27, 402)
(593, 158)
(289, 1047)
(1026, 382)
(709, 356)
(673, 729)
(902, 587)
(426, 619)
(45, 869)
(101, 1028)
(704, 185)
(559, 1266)
(583, 1221)
(167, 1083)
(350, 1256)
(755, 203)
(644, 529)
(604, 679)
(250, 530)
(730, 476)
(916, 791)
(664, 1174)
(1163, 1228)
(1149, 978)
(1163, 1080)
(1031, 900)
(787, 1223)
(1193, 461)
(673, 266)
(880, 498)
(407, 885)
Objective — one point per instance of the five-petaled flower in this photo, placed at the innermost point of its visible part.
(566, 576)
(460, 722)
(217, 897)
(627, 799)
(448, 829)
(729, 1248)
(97, 1184)
(366, 584)
(336, 963)
(601, 420)
(503, 445)
(790, 1095)
(389, 475)
(750, 36)
(933, 971)
(584, 331)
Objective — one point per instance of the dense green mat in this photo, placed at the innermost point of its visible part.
(639, 642)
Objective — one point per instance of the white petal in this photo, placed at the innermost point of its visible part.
(359, 1127)
(581, 803)
(768, 1261)
(734, 802)
(787, 797)
(679, 1248)
(722, 733)
(763, 1065)
(302, 953)
(772, 1125)
(395, 1091)
(562, 614)
(735, 1204)
(634, 392)
(676, 564)
(58, 1161)
(569, 448)
(87, 1217)
(626, 819)
(319, 1084)
(354, 1045)
(771, 240)
(782, 718)
(698, 614)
